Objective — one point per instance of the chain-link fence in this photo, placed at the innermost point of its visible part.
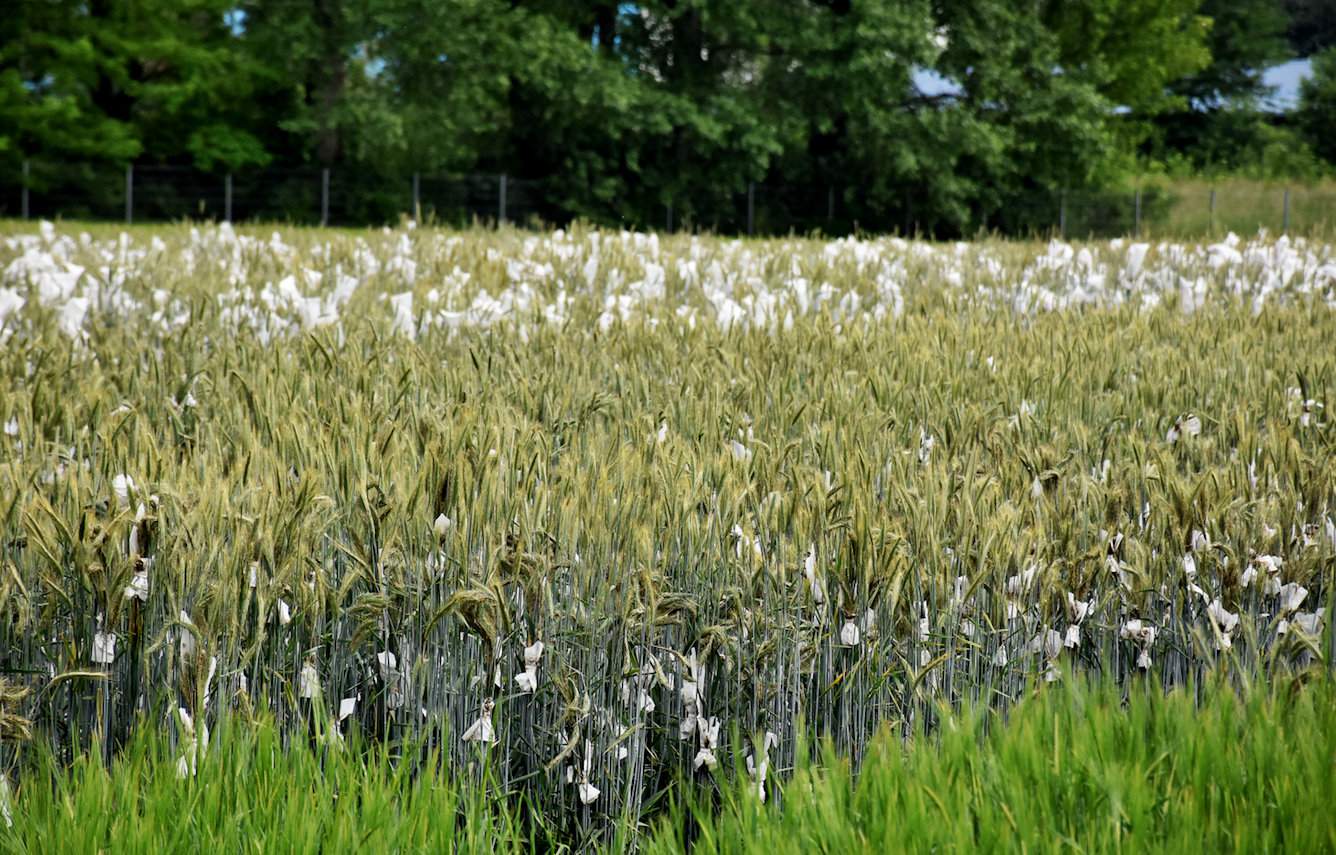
(302, 196)
(347, 197)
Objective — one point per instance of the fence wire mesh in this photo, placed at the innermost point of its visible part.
(348, 197)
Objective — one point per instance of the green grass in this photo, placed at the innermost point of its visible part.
(1072, 769)
(252, 792)
(1181, 209)
(1243, 206)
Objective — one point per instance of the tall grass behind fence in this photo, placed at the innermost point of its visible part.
(1244, 207)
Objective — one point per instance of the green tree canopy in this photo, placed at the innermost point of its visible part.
(1317, 105)
(623, 111)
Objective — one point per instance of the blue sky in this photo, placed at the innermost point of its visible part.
(1284, 77)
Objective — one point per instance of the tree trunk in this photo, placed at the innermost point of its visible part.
(331, 79)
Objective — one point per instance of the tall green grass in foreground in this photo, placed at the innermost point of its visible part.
(252, 793)
(1073, 768)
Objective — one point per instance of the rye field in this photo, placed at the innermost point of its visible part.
(422, 539)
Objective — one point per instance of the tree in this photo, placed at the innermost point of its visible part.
(49, 71)
(302, 56)
(115, 80)
(1312, 25)
(1221, 123)
(1027, 111)
(1131, 51)
(622, 111)
(1317, 105)
(1246, 37)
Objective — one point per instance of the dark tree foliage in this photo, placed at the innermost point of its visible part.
(1245, 36)
(944, 116)
(1311, 25)
(1317, 105)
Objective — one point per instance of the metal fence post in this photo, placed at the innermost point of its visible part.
(1136, 223)
(227, 198)
(417, 200)
(501, 201)
(830, 203)
(1211, 210)
(751, 206)
(1062, 215)
(24, 201)
(324, 196)
(129, 193)
(669, 207)
(1285, 218)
